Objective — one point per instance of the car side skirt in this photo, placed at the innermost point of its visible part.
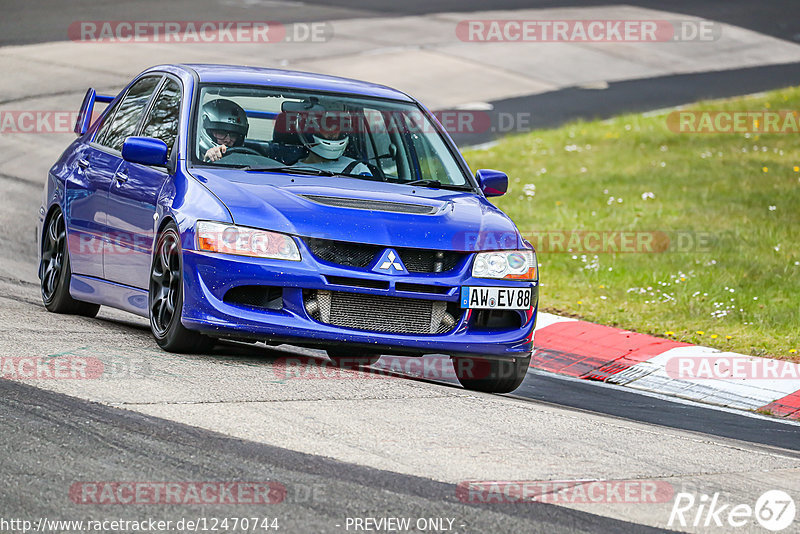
(103, 292)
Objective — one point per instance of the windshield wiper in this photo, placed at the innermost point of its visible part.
(313, 171)
(436, 184)
(288, 169)
(225, 165)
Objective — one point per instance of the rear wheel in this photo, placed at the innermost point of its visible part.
(491, 376)
(55, 272)
(165, 300)
(352, 359)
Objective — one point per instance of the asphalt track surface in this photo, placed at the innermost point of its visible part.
(558, 107)
(50, 440)
(71, 438)
(36, 21)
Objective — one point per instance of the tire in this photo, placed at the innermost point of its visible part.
(55, 272)
(347, 359)
(165, 298)
(491, 376)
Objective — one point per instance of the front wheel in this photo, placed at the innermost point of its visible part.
(165, 299)
(491, 376)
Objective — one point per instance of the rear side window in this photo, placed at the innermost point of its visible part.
(114, 132)
(162, 122)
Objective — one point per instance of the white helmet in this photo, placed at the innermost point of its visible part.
(325, 134)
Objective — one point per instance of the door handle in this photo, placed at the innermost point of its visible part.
(121, 177)
(83, 163)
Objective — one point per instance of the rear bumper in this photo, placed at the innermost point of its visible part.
(208, 277)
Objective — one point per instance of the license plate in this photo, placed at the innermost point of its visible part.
(496, 298)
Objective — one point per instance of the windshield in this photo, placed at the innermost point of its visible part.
(283, 130)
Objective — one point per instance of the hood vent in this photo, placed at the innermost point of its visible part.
(373, 205)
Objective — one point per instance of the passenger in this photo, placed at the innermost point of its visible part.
(326, 141)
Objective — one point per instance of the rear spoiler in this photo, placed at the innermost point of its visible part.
(84, 119)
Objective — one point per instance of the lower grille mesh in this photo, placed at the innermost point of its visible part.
(379, 313)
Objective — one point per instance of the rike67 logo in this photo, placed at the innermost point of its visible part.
(774, 510)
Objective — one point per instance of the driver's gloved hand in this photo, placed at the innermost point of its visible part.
(215, 153)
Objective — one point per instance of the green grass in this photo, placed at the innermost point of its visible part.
(718, 185)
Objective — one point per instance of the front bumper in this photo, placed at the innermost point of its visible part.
(208, 277)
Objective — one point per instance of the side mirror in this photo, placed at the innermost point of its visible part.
(492, 183)
(145, 150)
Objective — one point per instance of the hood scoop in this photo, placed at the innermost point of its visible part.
(373, 205)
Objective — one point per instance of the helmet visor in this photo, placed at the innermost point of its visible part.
(331, 125)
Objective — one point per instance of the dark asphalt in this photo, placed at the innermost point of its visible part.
(51, 441)
(626, 404)
(558, 107)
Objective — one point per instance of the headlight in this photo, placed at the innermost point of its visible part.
(506, 264)
(242, 241)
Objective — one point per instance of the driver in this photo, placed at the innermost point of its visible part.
(224, 125)
(326, 141)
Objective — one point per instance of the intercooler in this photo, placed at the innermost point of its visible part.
(380, 313)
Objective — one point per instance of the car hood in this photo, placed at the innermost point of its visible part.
(349, 209)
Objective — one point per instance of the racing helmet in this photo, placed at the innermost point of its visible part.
(325, 133)
(222, 115)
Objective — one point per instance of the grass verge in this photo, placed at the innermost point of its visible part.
(727, 205)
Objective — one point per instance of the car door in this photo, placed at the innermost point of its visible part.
(85, 208)
(95, 171)
(134, 192)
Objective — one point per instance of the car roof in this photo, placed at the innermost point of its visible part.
(236, 74)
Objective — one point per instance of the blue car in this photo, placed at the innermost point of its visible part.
(243, 203)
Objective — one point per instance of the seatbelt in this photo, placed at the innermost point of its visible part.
(352, 165)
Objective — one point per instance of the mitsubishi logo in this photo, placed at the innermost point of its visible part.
(390, 262)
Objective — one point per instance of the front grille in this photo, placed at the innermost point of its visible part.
(419, 260)
(379, 313)
(342, 252)
(416, 260)
(373, 205)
